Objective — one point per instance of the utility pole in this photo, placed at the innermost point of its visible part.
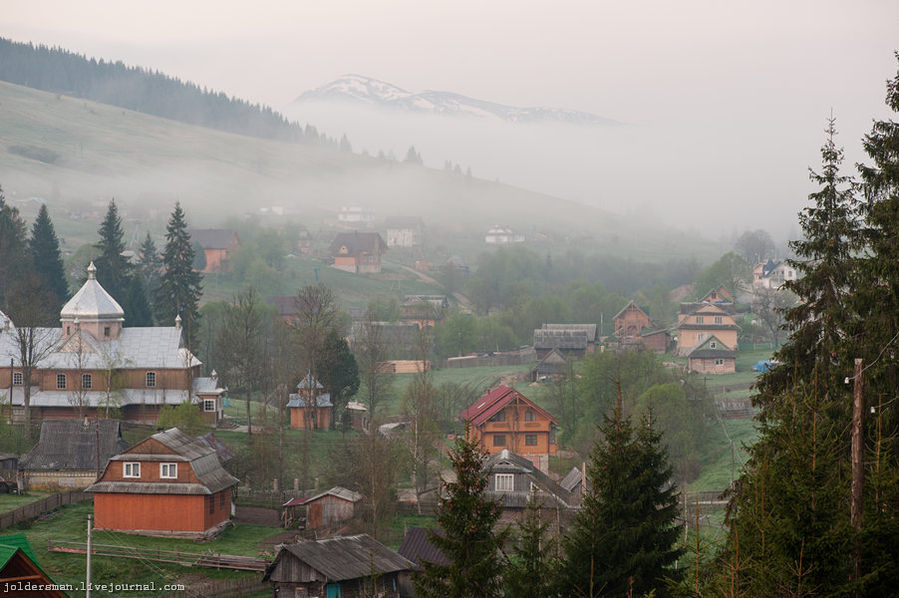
(89, 551)
(858, 472)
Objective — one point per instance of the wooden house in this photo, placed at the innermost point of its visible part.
(218, 246)
(572, 343)
(505, 419)
(9, 474)
(576, 484)
(94, 365)
(423, 310)
(719, 295)
(168, 484)
(404, 232)
(697, 322)
(514, 479)
(656, 340)
(323, 511)
(359, 253)
(712, 357)
(552, 366)
(342, 567)
(71, 453)
(630, 321)
(19, 570)
(310, 407)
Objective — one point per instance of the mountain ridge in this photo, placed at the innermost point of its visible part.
(361, 89)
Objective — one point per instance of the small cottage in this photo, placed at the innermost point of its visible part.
(168, 484)
(218, 246)
(359, 253)
(323, 511)
(514, 480)
(712, 357)
(630, 321)
(310, 407)
(552, 366)
(9, 473)
(71, 453)
(343, 566)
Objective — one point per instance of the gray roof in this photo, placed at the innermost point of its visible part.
(560, 339)
(508, 462)
(309, 382)
(343, 558)
(97, 398)
(339, 492)
(92, 302)
(213, 238)
(417, 547)
(357, 243)
(71, 445)
(589, 329)
(572, 480)
(135, 348)
(207, 386)
(322, 400)
(202, 459)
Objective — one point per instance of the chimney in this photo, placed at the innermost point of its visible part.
(178, 321)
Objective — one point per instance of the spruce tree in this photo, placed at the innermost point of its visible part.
(113, 269)
(469, 541)
(531, 572)
(180, 288)
(149, 265)
(623, 540)
(14, 258)
(45, 252)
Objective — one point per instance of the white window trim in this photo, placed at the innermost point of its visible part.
(168, 466)
(131, 466)
(206, 403)
(504, 482)
(18, 376)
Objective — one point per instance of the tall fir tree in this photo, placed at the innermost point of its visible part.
(467, 519)
(877, 301)
(622, 542)
(113, 269)
(44, 246)
(532, 570)
(14, 257)
(149, 265)
(180, 287)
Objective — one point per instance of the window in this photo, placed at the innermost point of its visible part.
(151, 379)
(211, 500)
(530, 416)
(499, 417)
(504, 482)
(106, 331)
(222, 498)
(699, 319)
(719, 362)
(87, 381)
(208, 404)
(131, 470)
(700, 337)
(719, 320)
(168, 471)
(530, 440)
(499, 440)
(18, 379)
(60, 381)
(713, 345)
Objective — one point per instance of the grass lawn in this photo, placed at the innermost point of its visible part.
(69, 523)
(8, 502)
(717, 463)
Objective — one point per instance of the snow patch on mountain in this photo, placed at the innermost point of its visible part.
(372, 92)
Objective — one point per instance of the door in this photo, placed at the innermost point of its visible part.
(332, 590)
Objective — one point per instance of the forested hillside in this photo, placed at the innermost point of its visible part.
(143, 90)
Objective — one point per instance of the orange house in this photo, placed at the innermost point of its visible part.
(168, 484)
(505, 419)
(218, 246)
(698, 322)
(359, 253)
(630, 321)
(310, 407)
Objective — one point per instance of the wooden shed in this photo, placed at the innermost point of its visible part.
(328, 509)
(340, 567)
(9, 473)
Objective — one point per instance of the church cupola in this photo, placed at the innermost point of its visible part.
(92, 310)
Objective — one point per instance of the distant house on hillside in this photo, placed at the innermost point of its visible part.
(712, 357)
(506, 419)
(772, 274)
(310, 407)
(630, 321)
(404, 232)
(218, 245)
(423, 310)
(355, 215)
(502, 235)
(68, 454)
(343, 566)
(359, 253)
(719, 295)
(697, 322)
(168, 484)
(573, 341)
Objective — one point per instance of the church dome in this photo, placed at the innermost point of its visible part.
(92, 302)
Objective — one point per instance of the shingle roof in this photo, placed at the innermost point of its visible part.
(417, 547)
(344, 557)
(322, 400)
(509, 462)
(572, 479)
(339, 492)
(203, 460)
(71, 445)
(213, 238)
(560, 339)
(624, 309)
(492, 402)
(357, 243)
(589, 329)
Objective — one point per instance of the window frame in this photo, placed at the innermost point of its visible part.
(61, 382)
(530, 415)
(131, 469)
(20, 376)
(499, 416)
(206, 403)
(499, 440)
(87, 382)
(700, 319)
(504, 482)
(148, 377)
(528, 438)
(166, 475)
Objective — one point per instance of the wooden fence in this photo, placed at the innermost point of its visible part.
(39, 507)
(209, 560)
(218, 588)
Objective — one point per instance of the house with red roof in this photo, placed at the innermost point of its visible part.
(505, 419)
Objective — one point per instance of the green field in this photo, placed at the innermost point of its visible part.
(8, 502)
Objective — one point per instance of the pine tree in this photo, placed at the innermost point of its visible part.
(14, 258)
(149, 266)
(45, 252)
(469, 541)
(113, 270)
(531, 572)
(180, 288)
(623, 540)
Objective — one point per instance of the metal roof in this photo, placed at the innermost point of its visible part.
(71, 444)
(92, 302)
(322, 400)
(560, 339)
(572, 479)
(509, 462)
(417, 547)
(339, 492)
(98, 398)
(308, 382)
(344, 557)
(214, 238)
(492, 402)
(357, 243)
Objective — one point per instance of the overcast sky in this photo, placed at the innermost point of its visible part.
(759, 66)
